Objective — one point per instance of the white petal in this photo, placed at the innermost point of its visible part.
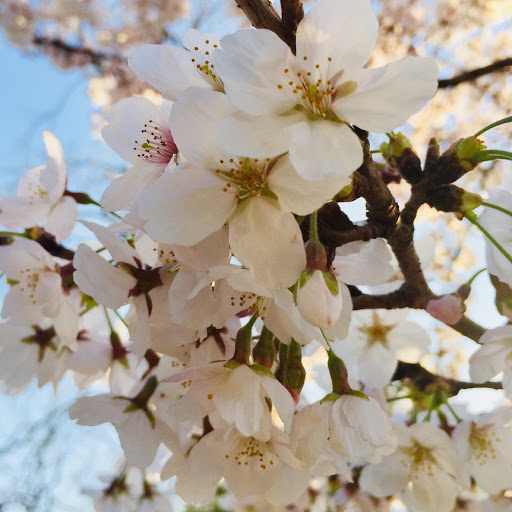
(251, 65)
(256, 137)
(95, 276)
(343, 30)
(386, 97)
(386, 478)
(186, 206)
(126, 120)
(366, 263)
(167, 68)
(62, 218)
(318, 148)
(121, 193)
(119, 249)
(488, 361)
(300, 196)
(53, 176)
(94, 410)
(268, 241)
(281, 399)
(194, 121)
(376, 365)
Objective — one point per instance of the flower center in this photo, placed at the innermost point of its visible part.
(248, 175)
(205, 67)
(422, 458)
(159, 146)
(481, 442)
(315, 91)
(377, 332)
(251, 452)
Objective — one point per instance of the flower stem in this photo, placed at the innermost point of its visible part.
(474, 276)
(492, 125)
(313, 226)
(13, 233)
(496, 207)
(474, 220)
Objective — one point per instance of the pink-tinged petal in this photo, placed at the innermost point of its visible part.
(409, 341)
(126, 120)
(252, 65)
(268, 241)
(53, 177)
(186, 206)
(319, 148)
(125, 190)
(95, 276)
(168, 69)
(343, 30)
(119, 249)
(194, 121)
(298, 195)
(62, 218)
(386, 97)
(256, 137)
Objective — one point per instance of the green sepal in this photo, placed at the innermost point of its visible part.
(259, 368)
(151, 417)
(332, 283)
(360, 394)
(131, 407)
(330, 397)
(232, 364)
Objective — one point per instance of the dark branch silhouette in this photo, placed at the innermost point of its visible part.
(468, 76)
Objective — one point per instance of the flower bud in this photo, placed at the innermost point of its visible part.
(447, 309)
(318, 298)
(401, 157)
(450, 198)
(458, 159)
(291, 372)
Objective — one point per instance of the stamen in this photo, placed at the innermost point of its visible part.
(159, 146)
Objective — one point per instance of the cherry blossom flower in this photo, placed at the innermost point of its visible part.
(483, 450)
(306, 103)
(376, 341)
(137, 130)
(173, 70)
(41, 196)
(257, 197)
(422, 470)
(238, 395)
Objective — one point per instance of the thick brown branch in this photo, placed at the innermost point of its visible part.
(292, 12)
(423, 380)
(468, 76)
(262, 14)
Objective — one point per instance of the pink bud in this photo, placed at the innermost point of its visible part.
(447, 309)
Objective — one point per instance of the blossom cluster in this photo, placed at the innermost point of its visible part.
(204, 304)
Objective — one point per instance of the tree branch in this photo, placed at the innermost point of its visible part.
(423, 380)
(262, 14)
(292, 11)
(468, 76)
